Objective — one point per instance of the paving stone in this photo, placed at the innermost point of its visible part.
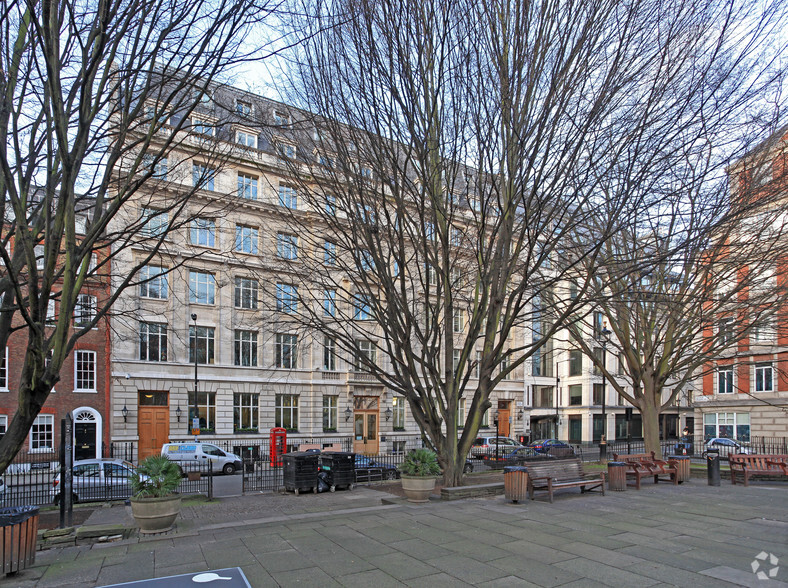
(604, 573)
(468, 570)
(402, 567)
(305, 577)
(435, 581)
(508, 581)
(376, 578)
(676, 576)
(535, 571)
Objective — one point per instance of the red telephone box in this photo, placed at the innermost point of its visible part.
(278, 446)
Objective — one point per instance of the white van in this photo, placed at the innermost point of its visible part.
(188, 453)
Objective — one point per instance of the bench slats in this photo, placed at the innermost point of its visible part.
(562, 473)
(762, 464)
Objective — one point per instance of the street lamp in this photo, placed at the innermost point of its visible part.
(603, 439)
(196, 419)
(495, 416)
(557, 383)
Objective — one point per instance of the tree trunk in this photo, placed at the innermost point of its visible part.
(650, 415)
(452, 472)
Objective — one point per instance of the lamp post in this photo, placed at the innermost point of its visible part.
(603, 439)
(496, 436)
(196, 419)
(557, 383)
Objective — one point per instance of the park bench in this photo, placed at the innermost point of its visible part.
(646, 465)
(763, 465)
(548, 476)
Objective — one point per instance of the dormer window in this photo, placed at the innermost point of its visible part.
(246, 139)
(202, 127)
(286, 150)
(243, 108)
(281, 118)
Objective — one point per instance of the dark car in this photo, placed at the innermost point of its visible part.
(551, 447)
(368, 470)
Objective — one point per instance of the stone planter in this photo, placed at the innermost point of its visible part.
(417, 489)
(156, 515)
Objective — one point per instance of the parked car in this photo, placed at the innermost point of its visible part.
(97, 479)
(522, 455)
(484, 447)
(552, 447)
(727, 447)
(367, 469)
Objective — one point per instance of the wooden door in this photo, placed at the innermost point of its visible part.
(503, 418)
(365, 433)
(154, 429)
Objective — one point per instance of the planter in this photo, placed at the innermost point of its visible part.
(417, 488)
(156, 515)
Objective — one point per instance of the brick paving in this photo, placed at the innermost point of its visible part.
(689, 535)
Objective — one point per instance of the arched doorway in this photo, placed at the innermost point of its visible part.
(87, 433)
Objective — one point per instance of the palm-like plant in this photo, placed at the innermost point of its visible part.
(421, 463)
(156, 477)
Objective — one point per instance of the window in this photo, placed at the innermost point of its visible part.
(4, 371)
(725, 380)
(599, 325)
(153, 282)
(575, 362)
(286, 150)
(728, 425)
(621, 365)
(575, 395)
(331, 204)
(461, 413)
(245, 412)
(153, 342)
(398, 410)
(477, 365)
(203, 232)
(201, 126)
(158, 168)
(51, 317)
(246, 139)
(245, 293)
(40, 253)
(286, 298)
(725, 331)
(155, 222)
(202, 288)
(286, 411)
(325, 161)
(329, 302)
(366, 355)
(456, 237)
(362, 310)
(365, 261)
(3, 425)
(246, 239)
(84, 310)
(206, 410)
(763, 331)
(572, 291)
(84, 371)
(764, 377)
(247, 186)
(455, 360)
(203, 176)
(329, 253)
(504, 368)
(329, 354)
(281, 118)
(246, 348)
(243, 108)
(599, 394)
(486, 419)
(330, 413)
(42, 433)
(288, 197)
(285, 351)
(202, 340)
(287, 246)
(599, 356)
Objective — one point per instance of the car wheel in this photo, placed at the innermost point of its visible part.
(468, 468)
(390, 475)
(228, 469)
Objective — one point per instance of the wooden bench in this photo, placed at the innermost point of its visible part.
(548, 476)
(763, 465)
(646, 465)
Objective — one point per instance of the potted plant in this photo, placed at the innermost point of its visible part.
(418, 472)
(155, 504)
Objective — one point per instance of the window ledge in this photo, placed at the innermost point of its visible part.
(78, 391)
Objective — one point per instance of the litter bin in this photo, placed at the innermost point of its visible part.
(683, 467)
(713, 466)
(515, 482)
(300, 471)
(340, 467)
(18, 538)
(617, 476)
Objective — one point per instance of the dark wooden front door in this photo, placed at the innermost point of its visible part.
(85, 441)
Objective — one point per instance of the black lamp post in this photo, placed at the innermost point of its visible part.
(496, 436)
(196, 418)
(557, 383)
(603, 439)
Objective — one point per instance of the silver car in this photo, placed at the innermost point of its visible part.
(97, 480)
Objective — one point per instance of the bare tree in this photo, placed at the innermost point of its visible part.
(95, 95)
(461, 151)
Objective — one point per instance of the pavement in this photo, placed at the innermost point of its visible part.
(687, 535)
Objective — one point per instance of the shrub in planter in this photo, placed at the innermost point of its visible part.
(419, 469)
(154, 502)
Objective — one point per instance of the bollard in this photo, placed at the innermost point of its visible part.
(713, 466)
